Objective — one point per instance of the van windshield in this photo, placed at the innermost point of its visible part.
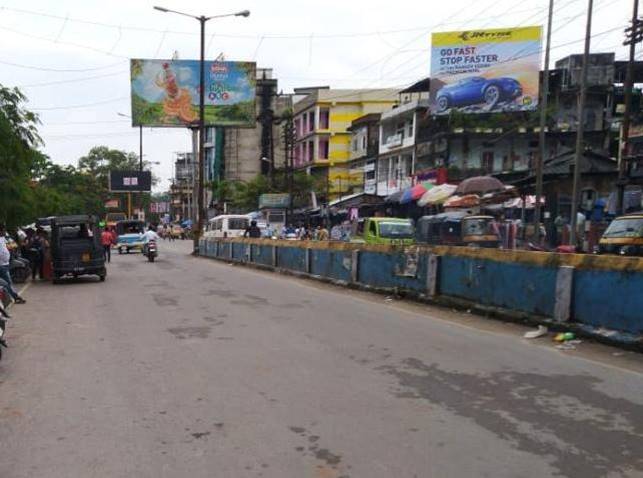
(396, 230)
(625, 227)
(478, 227)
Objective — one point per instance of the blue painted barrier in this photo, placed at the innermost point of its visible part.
(596, 291)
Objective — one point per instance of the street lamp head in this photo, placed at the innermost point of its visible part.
(244, 13)
(161, 9)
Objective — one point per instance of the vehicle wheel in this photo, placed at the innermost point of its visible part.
(150, 258)
(120, 250)
(128, 250)
(491, 95)
(443, 104)
(102, 278)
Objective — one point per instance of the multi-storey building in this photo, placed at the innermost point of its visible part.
(182, 190)
(322, 118)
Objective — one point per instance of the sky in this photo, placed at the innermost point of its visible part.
(71, 57)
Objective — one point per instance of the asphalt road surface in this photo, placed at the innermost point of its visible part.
(194, 368)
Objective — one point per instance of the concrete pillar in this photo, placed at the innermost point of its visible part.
(563, 293)
(231, 250)
(216, 249)
(308, 258)
(354, 265)
(274, 256)
(431, 275)
(249, 253)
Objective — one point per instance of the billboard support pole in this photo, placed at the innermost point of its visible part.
(544, 97)
(129, 205)
(200, 208)
(578, 156)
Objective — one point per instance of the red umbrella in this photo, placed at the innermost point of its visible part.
(479, 185)
(417, 192)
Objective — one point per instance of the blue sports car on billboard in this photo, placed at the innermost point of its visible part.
(476, 90)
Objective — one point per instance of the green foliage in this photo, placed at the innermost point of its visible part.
(244, 196)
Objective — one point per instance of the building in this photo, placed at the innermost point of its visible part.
(399, 136)
(365, 136)
(182, 190)
(322, 118)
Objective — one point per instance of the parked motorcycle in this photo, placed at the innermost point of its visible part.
(150, 250)
(20, 269)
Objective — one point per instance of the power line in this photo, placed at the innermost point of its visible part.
(86, 105)
(74, 80)
(58, 70)
(276, 36)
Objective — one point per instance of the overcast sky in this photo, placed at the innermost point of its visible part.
(71, 57)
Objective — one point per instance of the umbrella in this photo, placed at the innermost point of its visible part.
(428, 185)
(187, 223)
(479, 185)
(407, 196)
(394, 198)
(468, 200)
(437, 194)
(418, 191)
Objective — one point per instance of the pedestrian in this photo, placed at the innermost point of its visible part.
(5, 260)
(106, 240)
(252, 230)
(322, 233)
(36, 247)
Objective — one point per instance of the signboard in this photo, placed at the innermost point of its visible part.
(112, 204)
(280, 200)
(130, 181)
(485, 71)
(160, 207)
(166, 93)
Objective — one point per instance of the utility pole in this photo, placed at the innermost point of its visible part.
(578, 156)
(634, 35)
(544, 97)
(289, 143)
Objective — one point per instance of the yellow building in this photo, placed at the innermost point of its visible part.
(323, 117)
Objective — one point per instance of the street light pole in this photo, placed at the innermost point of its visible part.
(201, 210)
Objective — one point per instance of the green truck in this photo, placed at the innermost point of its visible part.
(384, 230)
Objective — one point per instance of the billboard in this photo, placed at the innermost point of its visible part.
(485, 71)
(274, 200)
(130, 181)
(166, 93)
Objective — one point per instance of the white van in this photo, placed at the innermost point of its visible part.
(227, 225)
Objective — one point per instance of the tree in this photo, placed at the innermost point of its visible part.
(19, 141)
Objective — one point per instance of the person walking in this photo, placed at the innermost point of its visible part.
(5, 260)
(106, 240)
(36, 246)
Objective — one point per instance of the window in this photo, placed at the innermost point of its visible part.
(507, 163)
(324, 120)
(363, 142)
(409, 129)
(311, 121)
(487, 161)
(323, 148)
(311, 151)
(237, 223)
(298, 127)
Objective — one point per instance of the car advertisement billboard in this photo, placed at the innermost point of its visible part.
(485, 71)
(166, 93)
(130, 181)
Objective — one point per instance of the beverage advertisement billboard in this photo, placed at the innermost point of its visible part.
(485, 71)
(166, 93)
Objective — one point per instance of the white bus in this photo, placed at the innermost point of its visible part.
(227, 225)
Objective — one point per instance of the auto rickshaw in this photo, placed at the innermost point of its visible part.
(624, 236)
(384, 230)
(458, 228)
(129, 236)
(76, 248)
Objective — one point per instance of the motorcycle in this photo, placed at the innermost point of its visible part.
(150, 250)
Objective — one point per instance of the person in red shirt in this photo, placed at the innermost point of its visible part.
(107, 239)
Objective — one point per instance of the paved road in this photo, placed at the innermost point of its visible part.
(193, 368)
